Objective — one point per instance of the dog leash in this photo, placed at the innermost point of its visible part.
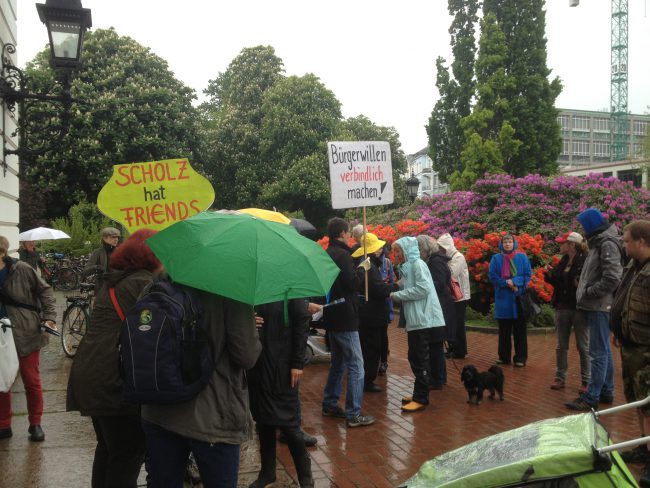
(446, 345)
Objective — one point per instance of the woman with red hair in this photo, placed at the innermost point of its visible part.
(95, 387)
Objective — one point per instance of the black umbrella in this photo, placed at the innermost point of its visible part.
(304, 227)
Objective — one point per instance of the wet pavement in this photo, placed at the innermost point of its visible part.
(381, 455)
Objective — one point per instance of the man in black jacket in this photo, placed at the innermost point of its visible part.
(342, 323)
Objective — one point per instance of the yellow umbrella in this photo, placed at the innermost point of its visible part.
(266, 215)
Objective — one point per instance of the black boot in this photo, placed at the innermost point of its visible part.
(300, 456)
(267, 454)
(644, 480)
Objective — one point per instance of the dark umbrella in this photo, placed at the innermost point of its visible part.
(304, 227)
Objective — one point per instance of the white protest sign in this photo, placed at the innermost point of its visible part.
(360, 173)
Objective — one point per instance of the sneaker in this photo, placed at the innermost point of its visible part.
(580, 404)
(413, 407)
(337, 412)
(638, 455)
(606, 398)
(519, 364)
(360, 421)
(557, 384)
(6, 433)
(36, 433)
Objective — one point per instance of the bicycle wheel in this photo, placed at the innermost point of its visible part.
(66, 279)
(73, 328)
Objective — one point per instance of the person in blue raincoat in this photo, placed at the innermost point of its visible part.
(510, 273)
(425, 324)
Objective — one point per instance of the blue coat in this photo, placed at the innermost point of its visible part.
(418, 295)
(505, 303)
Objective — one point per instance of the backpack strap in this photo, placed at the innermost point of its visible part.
(116, 304)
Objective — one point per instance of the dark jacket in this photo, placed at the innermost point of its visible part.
(23, 285)
(441, 275)
(631, 307)
(601, 272)
(30, 257)
(220, 412)
(95, 386)
(374, 312)
(343, 317)
(565, 284)
(273, 401)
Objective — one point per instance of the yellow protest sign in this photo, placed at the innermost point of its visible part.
(154, 195)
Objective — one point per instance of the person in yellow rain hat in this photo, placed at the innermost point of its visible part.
(374, 313)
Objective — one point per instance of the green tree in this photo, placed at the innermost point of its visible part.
(446, 136)
(490, 137)
(299, 116)
(233, 123)
(137, 111)
(532, 96)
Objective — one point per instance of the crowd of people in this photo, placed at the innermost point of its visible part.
(259, 352)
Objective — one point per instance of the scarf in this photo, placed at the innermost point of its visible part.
(508, 268)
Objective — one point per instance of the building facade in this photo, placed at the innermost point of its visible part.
(420, 165)
(586, 137)
(9, 180)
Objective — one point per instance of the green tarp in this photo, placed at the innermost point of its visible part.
(545, 450)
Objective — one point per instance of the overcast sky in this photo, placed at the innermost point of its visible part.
(377, 56)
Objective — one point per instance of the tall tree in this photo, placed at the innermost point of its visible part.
(490, 138)
(532, 96)
(233, 124)
(299, 116)
(446, 136)
(137, 111)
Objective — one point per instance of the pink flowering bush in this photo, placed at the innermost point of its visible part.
(533, 204)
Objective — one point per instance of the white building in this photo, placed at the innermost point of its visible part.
(420, 165)
(9, 214)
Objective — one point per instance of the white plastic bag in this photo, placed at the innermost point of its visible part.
(8, 360)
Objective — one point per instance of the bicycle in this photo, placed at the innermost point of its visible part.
(58, 273)
(76, 318)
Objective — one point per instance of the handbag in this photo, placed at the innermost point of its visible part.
(527, 306)
(455, 289)
(8, 359)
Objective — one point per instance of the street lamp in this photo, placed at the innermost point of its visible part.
(412, 185)
(66, 22)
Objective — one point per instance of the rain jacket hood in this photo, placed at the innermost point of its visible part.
(514, 240)
(420, 303)
(457, 264)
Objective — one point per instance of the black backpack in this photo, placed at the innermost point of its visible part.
(165, 357)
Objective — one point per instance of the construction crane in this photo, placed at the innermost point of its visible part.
(619, 122)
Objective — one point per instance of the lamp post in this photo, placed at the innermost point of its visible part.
(66, 22)
(412, 185)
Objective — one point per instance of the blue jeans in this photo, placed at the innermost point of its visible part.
(168, 452)
(345, 350)
(600, 355)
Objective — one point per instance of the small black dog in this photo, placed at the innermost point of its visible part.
(476, 382)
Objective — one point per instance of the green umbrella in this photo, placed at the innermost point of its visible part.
(245, 258)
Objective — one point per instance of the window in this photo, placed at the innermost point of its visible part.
(607, 174)
(580, 148)
(640, 127)
(633, 175)
(563, 121)
(581, 123)
(601, 148)
(601, 125)
(565, 147)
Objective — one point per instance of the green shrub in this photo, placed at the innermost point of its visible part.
(83, 223)
(546, 318)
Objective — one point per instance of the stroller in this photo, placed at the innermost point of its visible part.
(566, 452)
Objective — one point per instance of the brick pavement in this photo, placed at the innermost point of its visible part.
(392, 450)
(384, 454)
